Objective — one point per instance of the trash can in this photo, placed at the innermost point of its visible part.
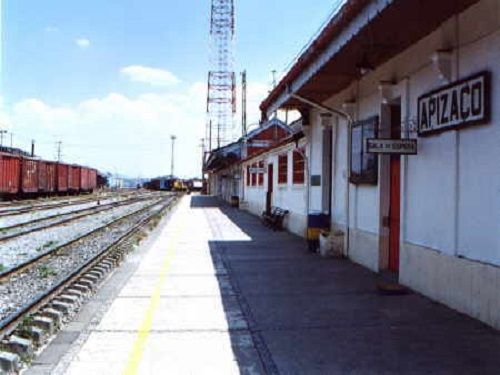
(316, 222)
(235, 201)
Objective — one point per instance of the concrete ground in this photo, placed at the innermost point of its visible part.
(215, 292)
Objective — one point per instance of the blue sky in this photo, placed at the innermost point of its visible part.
(113, 79)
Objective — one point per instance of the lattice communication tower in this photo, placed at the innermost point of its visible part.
(221, 100)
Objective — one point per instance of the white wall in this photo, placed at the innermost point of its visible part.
(287, 196)
(450, 192)
(455, 174)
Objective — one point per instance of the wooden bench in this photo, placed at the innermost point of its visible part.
(274, 218)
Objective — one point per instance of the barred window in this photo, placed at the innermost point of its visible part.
(364, 166)
(298, 167)
(254, 175)
(283, 169)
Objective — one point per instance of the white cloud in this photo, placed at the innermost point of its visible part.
(121, 133)
(150, 76)
(82, 43)
(129, 135)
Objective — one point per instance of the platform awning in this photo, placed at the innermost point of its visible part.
(363, 33)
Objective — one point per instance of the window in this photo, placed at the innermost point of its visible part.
(248, 176)
(261, 175)
(298, 167)
(283, 169)
(254, 175)
(364, 166)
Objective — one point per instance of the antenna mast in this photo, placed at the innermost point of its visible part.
(221, 100)
(244, 103)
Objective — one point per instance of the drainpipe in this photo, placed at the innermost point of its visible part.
(350, 121)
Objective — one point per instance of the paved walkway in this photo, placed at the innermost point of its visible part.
(218, 293)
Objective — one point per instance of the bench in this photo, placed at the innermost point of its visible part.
(274, 218)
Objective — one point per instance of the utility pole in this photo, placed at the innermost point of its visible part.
(202, 147)
(173, 138)
(59, 145)
(244, 103)
(2, 132)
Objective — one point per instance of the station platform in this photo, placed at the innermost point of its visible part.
(215, 292)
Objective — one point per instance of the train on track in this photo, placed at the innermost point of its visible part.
(173, 184)
(23, 176)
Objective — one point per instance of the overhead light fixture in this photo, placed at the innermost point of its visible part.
(364, 67)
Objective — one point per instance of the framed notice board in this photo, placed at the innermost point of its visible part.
(364, 166)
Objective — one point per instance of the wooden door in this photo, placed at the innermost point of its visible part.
(270, 180)
(395, 192)
(394, 213)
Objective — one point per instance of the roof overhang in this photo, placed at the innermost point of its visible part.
(362, 31)
(223, 157)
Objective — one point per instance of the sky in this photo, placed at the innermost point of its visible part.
(113, 79)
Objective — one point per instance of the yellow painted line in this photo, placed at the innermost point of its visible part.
(135, 356)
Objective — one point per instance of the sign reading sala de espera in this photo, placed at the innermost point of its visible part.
(391, 146)
(461, 103)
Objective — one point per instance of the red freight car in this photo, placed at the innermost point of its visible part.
(29, 175)
(51, 177)
(92, 179)
(74, 178)
(46, 177)
(10, 174)
(42, 176)
(62, 177)
(84, 179)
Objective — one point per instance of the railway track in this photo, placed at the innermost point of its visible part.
(106, 256)
(8, 272)
(24, 210)
(73, 215)
(11, 209)
(40, 202)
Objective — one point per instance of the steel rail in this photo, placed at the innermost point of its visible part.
(26, 210)
(9, 272)
(78, 214)
(8, 324)
(43, 207)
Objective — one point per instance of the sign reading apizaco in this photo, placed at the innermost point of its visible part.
(462, 103)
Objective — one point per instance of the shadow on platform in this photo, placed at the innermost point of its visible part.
(308, 315)
(204, 201)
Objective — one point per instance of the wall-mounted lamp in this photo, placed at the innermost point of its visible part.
(349, 107)
(326, 120)
(364, 67)
(443, 64)
(386, 89)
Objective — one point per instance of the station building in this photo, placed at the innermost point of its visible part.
(399, 103)
(224, 165)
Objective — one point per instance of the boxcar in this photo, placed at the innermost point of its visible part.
(84, 179)
(74, 178)
(47, 177)
(10, 174)
(29, 175)
(52, 177)
(42, 176)
(62, 177)
(92, 179)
